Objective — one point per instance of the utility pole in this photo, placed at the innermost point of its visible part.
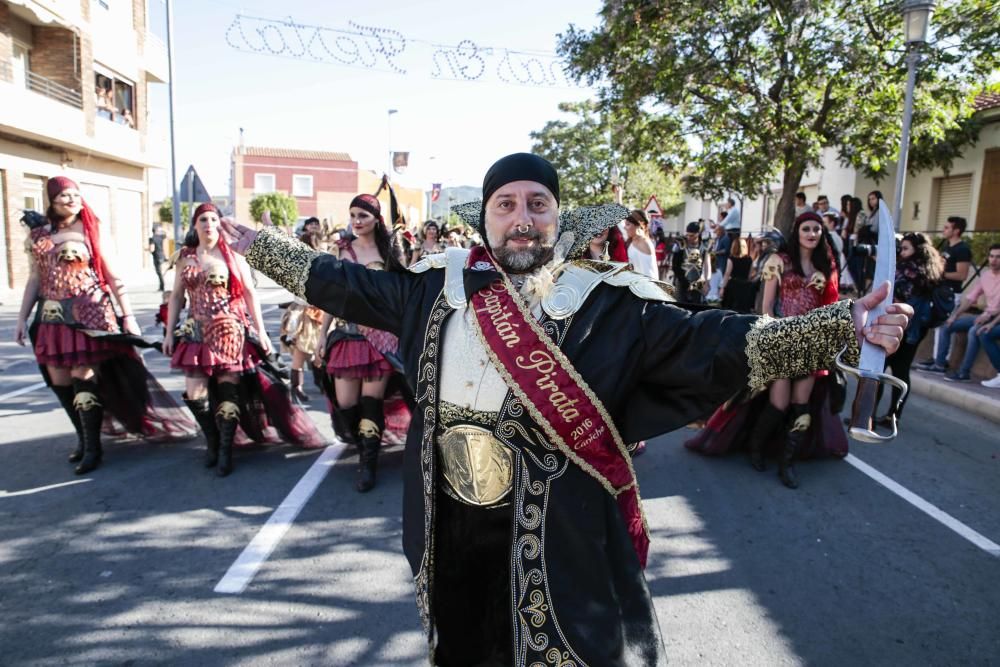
(174, 200)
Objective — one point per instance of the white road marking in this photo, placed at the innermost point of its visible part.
(39, 385)
(28, 492)
(927, 508)
(245, 568)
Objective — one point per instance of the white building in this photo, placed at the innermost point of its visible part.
(74, 77)
(971, 189)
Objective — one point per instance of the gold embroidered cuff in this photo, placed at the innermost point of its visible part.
(283, 259)
(793, 347)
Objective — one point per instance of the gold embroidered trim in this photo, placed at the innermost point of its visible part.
(283, 259)
(536, 415)
(792, 347)
(451, 414)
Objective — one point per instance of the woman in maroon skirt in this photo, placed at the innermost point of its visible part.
(356, 356)
(796, 417)
(221, 348)
(85, 355)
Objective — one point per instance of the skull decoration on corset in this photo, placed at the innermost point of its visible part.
(52, 311)
(817, 282)
(73, 251)
(216, 274)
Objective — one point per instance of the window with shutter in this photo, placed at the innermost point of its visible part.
(954, 197)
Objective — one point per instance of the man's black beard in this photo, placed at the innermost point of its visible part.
(523, 261)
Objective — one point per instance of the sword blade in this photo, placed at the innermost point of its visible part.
(873, 356)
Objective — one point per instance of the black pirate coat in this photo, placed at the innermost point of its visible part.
(577, 593)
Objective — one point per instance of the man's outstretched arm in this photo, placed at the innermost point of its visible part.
(344, 289)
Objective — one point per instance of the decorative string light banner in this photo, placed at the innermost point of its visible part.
(388, 50)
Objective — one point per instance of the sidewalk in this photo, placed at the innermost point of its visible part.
(969, 396)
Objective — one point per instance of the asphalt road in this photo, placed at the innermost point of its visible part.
(119, 567)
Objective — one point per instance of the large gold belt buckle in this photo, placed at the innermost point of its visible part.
(478, 468)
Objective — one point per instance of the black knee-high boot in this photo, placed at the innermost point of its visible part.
(227, 418)
(203, 415)
(91, 414)
(345, 423)
(369, 439)
(799, 421)
(65, 396)
(769, 421)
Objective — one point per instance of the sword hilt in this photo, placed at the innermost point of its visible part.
(863, 408)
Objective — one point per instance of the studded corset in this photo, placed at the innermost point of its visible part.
(207, 286)
(68, 291)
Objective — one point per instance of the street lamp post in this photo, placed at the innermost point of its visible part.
(389, 139)
(916, 18)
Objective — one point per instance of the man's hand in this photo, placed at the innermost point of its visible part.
(887, 330)
(239, 237)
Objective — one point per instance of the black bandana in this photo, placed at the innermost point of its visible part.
(517, 167)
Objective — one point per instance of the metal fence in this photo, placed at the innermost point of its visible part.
(43, 86)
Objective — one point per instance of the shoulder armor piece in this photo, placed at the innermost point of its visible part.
(774, 266)
(455, 260)
(642, 286)
(427, 262)
(575, 280)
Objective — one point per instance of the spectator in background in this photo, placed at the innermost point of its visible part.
(800, 204)
(156, 250)
(720, 252)
(918, 272)
(736, 290)
(957, 254)
(641, 253)
(731, 222)
(691, 266)
(957, 262)
(127, 118)
(987, 286)
(823, 206)
(830, 222)
(845, 202)
(661, 246)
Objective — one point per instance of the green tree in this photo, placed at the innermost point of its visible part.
(166, 212)
(751, 91)
(588, 149)
(284, 210)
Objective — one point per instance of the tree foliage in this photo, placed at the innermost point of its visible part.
(587, 149)
(166, 211)
(754, 90)
(284, 210)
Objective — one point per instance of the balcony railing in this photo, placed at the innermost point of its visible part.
(43, 86)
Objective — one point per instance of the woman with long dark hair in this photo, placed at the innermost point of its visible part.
(357, 358)
(919, 270)
(222, 347)
(84, 352)
(796, 281)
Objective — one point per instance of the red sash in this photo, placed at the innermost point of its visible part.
(556, 396)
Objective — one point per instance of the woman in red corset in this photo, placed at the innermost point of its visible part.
(357, 357)
(797, 412)
(221, 347)
(86, 355)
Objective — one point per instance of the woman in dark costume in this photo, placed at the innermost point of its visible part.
(918, 272)
(357, 358)
(794, 283)
(86, 356)
(221, 347)
(736, 289)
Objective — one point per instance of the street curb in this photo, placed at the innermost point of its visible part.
(955, 395)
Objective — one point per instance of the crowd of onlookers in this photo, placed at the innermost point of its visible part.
(104, 100)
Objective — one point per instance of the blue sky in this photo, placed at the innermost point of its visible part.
(289, 102)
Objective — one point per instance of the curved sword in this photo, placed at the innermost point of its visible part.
(871, 371)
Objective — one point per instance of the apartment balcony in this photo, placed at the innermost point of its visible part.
(154, 59)
(40, 110)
